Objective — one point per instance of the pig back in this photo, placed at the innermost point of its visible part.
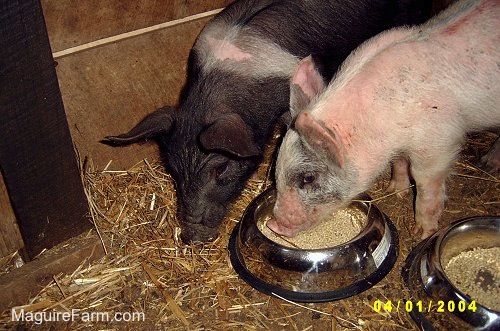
(326, 29)
(468, 39)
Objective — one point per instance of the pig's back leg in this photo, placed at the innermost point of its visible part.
(490, 162)
(400, 177)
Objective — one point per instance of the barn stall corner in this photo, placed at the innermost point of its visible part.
(108, 251)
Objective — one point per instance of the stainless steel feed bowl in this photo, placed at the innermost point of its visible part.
(314, 275)
(445, 306)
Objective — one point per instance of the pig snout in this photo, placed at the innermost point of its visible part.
(289, 214)
(200, 223)
(197, 233)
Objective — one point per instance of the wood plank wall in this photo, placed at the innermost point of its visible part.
(72, 22)
(108, 89)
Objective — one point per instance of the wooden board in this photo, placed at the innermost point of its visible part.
(72, 23)
(107, 90)
(10, 237)
(37, 158)
(22, 283)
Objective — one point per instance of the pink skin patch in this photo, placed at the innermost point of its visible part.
(290, 214)
(224, 50)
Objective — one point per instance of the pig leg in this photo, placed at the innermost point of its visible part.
(490, 162)
(400, 177)
(430, 177)
(429, 204)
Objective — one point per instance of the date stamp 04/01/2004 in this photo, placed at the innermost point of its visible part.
(421, 306)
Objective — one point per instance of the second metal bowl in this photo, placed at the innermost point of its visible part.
(442, 304)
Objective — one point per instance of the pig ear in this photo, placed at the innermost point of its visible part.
(156, 123)
(305, 85)
(229, 133)
(320, 138)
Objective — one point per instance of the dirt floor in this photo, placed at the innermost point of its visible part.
(147, 270)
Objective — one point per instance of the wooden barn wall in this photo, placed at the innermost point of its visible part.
(108, 89)
(75, 22)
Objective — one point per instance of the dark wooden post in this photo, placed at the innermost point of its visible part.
(36, 151)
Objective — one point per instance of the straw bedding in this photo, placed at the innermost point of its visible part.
(147, 269)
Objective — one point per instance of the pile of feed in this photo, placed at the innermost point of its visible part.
(148, 270)
(477, 273)
(341, 227)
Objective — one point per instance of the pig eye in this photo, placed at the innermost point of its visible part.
(307, 179)
(221, 169)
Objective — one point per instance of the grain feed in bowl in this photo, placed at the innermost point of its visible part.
(343, 226)
(477, 274)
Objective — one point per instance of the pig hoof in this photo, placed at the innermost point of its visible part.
(416, 229)
(425, 232)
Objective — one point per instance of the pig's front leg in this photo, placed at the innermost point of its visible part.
(490, 162)
(400, 177)
(430, 199)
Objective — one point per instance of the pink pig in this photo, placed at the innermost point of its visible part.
(407, 96)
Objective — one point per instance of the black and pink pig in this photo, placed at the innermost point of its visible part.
(408, 95)
(237, 89)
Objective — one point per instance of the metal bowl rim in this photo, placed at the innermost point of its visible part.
(341, 293)
(355, 288)
(362, 199)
